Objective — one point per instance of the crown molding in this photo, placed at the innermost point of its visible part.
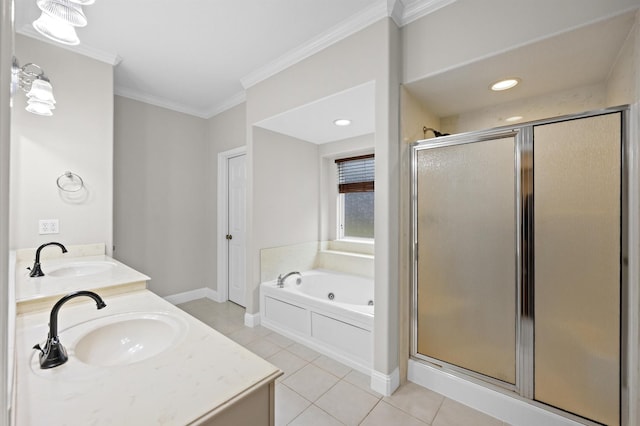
(346, 28)
(112, 59)
(401, 11)
(395, 10)
(157, 101)
(223, 106)
(227, 104)
(415, 9)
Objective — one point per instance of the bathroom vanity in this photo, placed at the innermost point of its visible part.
(138, 361)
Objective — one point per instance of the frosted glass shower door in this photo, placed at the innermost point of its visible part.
(577, 219)
(466, 267)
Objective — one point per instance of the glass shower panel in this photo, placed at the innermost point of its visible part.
(577, 266)
(466, 274)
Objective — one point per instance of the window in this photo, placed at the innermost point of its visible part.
(356, 196)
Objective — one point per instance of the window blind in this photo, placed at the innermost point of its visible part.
(356, 174)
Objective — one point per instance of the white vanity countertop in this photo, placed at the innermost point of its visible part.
(28, 288)
(202, 373)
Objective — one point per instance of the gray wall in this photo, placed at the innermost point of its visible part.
(368, 55)
(6, 53)
(225, 131)
(286, 184)
(78, 137)
(160, 222)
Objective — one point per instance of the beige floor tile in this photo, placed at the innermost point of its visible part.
(228, 308)
(279, 340)
(288, 405)
(197, 308)
(303, 352)
(453, 413)
(311, 382)
(287, 362)
(347, 403)
(262, 331)
(314, 416)
(362, 381)
(223, 325)
(263, 348)
(332, 366)
(244, 336)
(417, 401)
(385, 414)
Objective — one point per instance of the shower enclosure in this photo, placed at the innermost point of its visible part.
(519, 248)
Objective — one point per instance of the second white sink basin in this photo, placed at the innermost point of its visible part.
(127, 338)
(81, 269)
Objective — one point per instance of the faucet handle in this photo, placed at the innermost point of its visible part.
(37, 346)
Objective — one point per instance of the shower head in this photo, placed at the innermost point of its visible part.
(435, 132)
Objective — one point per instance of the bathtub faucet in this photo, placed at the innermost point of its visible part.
(280, 282)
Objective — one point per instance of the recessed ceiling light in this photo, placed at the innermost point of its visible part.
(505, 84)
(341, 122)
(514, 118)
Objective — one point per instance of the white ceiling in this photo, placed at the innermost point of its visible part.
(576, 58)
(313, 122)
(198, 56)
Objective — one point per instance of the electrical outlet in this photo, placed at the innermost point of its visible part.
(48, 226)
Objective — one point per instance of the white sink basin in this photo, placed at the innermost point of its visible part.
(126, 338)
(81, 269)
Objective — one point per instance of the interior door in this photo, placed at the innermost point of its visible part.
(236, 214)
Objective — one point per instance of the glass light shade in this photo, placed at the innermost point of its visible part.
(56, 30)
(39, 108)
(65, 10)
(42, 91)
(48, 104)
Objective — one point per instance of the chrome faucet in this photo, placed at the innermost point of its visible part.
(54, 354)
(36, 271)
(280, 282)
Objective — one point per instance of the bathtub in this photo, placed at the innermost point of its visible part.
(328, 311)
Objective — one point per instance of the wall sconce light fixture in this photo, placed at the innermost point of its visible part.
(59, 19)
(31, 80)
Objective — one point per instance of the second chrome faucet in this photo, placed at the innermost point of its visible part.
(280, 282)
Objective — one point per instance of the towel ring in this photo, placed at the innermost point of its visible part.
(70, 182)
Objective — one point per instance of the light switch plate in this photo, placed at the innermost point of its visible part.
(48, 226)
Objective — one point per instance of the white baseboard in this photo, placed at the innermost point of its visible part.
(385, 384)
(252, 320)
(507, 408)
(188, 296)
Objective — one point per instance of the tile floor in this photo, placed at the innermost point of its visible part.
(316, 390)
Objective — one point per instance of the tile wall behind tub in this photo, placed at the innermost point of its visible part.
(277, 260)
(314, 255)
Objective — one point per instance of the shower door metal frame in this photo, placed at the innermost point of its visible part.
(524, 258)
(447, 141)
